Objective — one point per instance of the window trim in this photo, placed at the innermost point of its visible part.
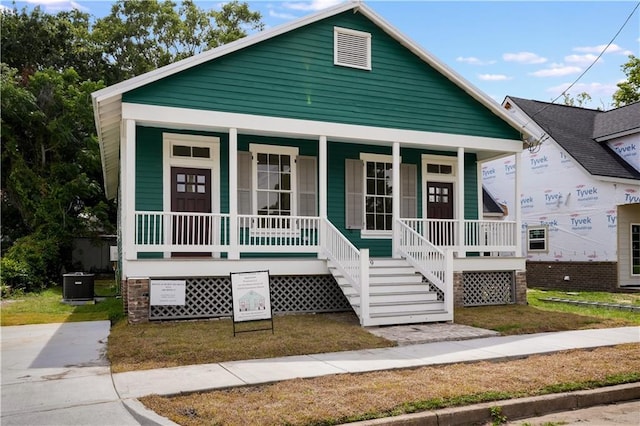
(342, 30)
(545, 228)
(379, 158)
(631, 225)
(292, 152)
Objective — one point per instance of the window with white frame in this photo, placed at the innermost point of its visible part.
(378, 192)
(635, 249)
(274, 177)
(537, 238)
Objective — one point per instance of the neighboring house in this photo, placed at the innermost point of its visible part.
(314, 150)
(580, 195)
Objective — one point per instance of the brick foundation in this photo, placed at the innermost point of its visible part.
(520, 278)
(458, 289)
(583, 276)
(521, 287)
(137, 300)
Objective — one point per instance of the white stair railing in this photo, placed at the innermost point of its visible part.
(352, 263)
(435, 264)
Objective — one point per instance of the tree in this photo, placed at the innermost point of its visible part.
(629, 90)
(52, 187)
(140, 35)
(31, 41)
(580, 100)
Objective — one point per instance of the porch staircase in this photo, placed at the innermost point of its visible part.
(397, 294)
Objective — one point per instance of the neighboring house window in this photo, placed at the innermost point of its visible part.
(537, 238)
(351, 48)
(274, 177)
(635, 249)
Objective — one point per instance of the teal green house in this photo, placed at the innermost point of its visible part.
(333, 152)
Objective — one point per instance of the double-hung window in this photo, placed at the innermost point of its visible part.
(274, 182)
(537, 239)
(378, 196)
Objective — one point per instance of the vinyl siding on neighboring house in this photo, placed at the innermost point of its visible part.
(293, 76)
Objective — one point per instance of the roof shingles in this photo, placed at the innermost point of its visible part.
(575, 130)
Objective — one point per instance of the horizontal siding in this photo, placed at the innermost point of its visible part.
(148, 169)
(293, 76)
(470, 187)
(149, 165)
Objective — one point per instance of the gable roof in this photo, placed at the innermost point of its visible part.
(617, 122)
(575, 130)
(107, 102)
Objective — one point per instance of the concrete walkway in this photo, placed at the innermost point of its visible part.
(192, 378)
(57, 374)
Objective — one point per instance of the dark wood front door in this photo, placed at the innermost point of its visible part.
(191, 193)
(440, 206)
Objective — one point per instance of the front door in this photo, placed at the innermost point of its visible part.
(191, 193)
(440, 206)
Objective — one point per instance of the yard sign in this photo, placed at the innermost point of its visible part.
(251, 295)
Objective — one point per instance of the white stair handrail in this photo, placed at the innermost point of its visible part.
(432, 262)
(352, 263)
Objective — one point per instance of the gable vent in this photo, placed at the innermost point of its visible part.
(352, 48)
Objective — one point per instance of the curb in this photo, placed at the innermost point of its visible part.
(514, 409)
(144, 416)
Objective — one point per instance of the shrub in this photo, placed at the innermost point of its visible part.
(31, 263)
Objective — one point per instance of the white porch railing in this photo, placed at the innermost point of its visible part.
(300, 234)
(479, 235)
(352, 263)
(435, 264)
(180, 232)
(210, 232)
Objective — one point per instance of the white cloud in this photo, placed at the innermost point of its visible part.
(613, 48)
(494, 77)
(472, 60)
(53, 6)
(5, 9)
(286, 16)
(581, 59)
(312, 5)
(595, 90)
(557, 70)
(524, 58)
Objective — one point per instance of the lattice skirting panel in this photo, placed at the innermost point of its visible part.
(435, 288)
(211, 297)
(488, 288)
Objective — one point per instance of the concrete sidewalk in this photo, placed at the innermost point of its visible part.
(203, 377)
(57, 374)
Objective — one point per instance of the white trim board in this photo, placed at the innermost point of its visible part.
(184, 118)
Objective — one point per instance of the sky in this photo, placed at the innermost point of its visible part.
(527, 49)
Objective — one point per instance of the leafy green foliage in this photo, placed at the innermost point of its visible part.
(629, 90)
(141, 35)
(51, 174)
(31, 264)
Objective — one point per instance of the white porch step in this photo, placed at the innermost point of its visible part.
(397, 294)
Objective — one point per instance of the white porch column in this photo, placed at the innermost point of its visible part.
(322, 193)
(395, 199)
(234, 250)
(517, 206)
(322, 176)
(128, 188)
(460, 203)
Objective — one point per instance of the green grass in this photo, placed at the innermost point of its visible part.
(47, 307)
(534, 297)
